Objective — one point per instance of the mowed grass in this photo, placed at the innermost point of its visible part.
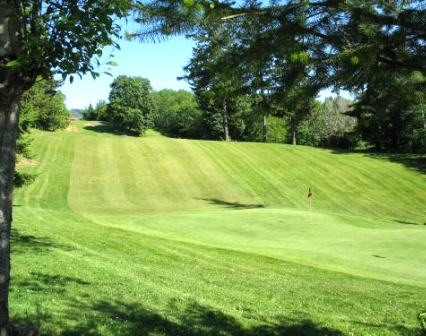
(156, 236)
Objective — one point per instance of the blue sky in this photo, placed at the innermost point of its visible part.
(161, 63)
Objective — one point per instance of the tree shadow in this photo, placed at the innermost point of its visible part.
(42, 282)
(22, 243)
(399, 329)
(104, 127)
(232, 205)
(29, 324)
(129, 319)
(194, 320)
(416, 162)
(408, 223)
(412, 161)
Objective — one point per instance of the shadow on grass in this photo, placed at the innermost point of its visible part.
(125, 319)
(30, 325)
(104, 127)
(408, 223)
(232, 205)
(195, 320)
(397, 329)
(412, 161)
(22, 243)
(42, 282)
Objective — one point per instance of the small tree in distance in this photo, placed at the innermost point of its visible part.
(43, 106)
(130, 105)
(89, 113)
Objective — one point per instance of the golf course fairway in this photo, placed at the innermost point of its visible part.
(120, 235)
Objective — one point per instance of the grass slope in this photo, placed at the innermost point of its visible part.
(157, 236)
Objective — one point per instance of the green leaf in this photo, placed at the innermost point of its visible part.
(14, 64)
(299, 57)
(71, 79)
(189, 3)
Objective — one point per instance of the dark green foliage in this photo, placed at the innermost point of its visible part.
(391, 112)
(89, 113)
(63, 36)
(241, 122)
(23, 152)
(287, 51)
(176, 113)
(277, 129)
(43, 107)
(101, 110)
(96, 113)
(130, 105)
(23, 144)
(38, 38)
(216, 81)
(21, 179)
(327, 125)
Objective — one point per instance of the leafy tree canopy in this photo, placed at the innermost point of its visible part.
(177, 113)
(130, 105)
(38, 38)
(310, 45)
(61, 36)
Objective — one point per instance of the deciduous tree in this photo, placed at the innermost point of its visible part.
(177, 113)
(130, 105)
(38, 37)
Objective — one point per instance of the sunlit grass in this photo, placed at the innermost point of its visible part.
(155, 236)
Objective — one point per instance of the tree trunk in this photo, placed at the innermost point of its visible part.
(294, 140)
(265, 127)
(293, 131)
(11, 88)
(8, 133)
(225, 123)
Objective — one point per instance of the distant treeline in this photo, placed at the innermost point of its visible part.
(133, 107)
(256, 59)
(184, 114)
(336, 122)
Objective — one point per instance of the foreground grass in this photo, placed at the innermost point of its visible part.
(155, 236)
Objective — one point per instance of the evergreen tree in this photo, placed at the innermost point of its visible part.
(351, 45)
(216, 82)
(43, 106)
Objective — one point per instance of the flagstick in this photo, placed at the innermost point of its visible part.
(310, 208)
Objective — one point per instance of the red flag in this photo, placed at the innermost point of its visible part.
(310, 193)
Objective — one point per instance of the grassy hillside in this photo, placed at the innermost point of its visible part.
(156, 236)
